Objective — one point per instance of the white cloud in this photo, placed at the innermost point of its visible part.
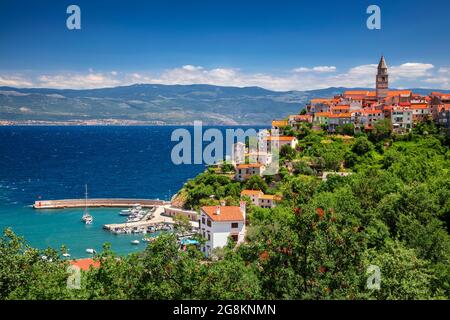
(78, 81)
(441, 80)
(404, 75)
(412, 70)
(15, 81)
(319, 69)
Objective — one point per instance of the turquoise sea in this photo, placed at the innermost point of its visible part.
(56, 163)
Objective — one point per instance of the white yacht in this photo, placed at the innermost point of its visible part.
(86, 218)
(125, 212)
(135, 242)
(91, 251)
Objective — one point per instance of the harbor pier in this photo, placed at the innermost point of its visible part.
(97, 203)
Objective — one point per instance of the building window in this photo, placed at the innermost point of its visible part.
(234, 237)
(209, 237)
(208, 223)
(203, 220)
(234, 225)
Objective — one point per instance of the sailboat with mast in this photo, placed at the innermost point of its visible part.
(87, 218)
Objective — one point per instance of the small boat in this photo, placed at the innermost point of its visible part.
(66, 255)
(86, 218)
(89, 220)
(91, 251)
(135, 242)
(125, 212)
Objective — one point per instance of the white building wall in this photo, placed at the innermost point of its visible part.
(219, 233)
(222, 230)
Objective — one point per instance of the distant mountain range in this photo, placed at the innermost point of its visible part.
(159, 104)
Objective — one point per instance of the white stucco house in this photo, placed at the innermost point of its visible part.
(218, 223)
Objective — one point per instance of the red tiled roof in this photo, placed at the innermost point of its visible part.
(321, 100)
(271, 197)
(251, 193)
(342, 115)
(279, 123)
(280, 138)
(419, 106)
(340, 108)
(247, 166)
(399, 92)
(322, 114)
(368, 111)
(227, 213)
(84, 264)
(356, 92)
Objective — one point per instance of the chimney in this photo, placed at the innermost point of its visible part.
(218, 210)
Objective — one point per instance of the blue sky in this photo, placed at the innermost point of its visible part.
(280, 45)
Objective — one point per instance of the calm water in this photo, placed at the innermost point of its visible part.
(56, 163)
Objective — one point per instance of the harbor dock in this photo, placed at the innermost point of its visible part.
(154, 218)
(97, 203)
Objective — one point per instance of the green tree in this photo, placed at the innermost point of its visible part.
(256, 183)
(403, 275)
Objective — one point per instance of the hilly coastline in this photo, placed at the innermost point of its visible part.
(154, 104)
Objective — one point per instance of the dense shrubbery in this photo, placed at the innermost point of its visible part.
(393, 212)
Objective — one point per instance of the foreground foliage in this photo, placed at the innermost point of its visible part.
(392, 212)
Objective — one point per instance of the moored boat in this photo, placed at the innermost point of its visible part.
(87, 218)
(125, 212)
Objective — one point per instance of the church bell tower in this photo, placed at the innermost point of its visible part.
(382, 80)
